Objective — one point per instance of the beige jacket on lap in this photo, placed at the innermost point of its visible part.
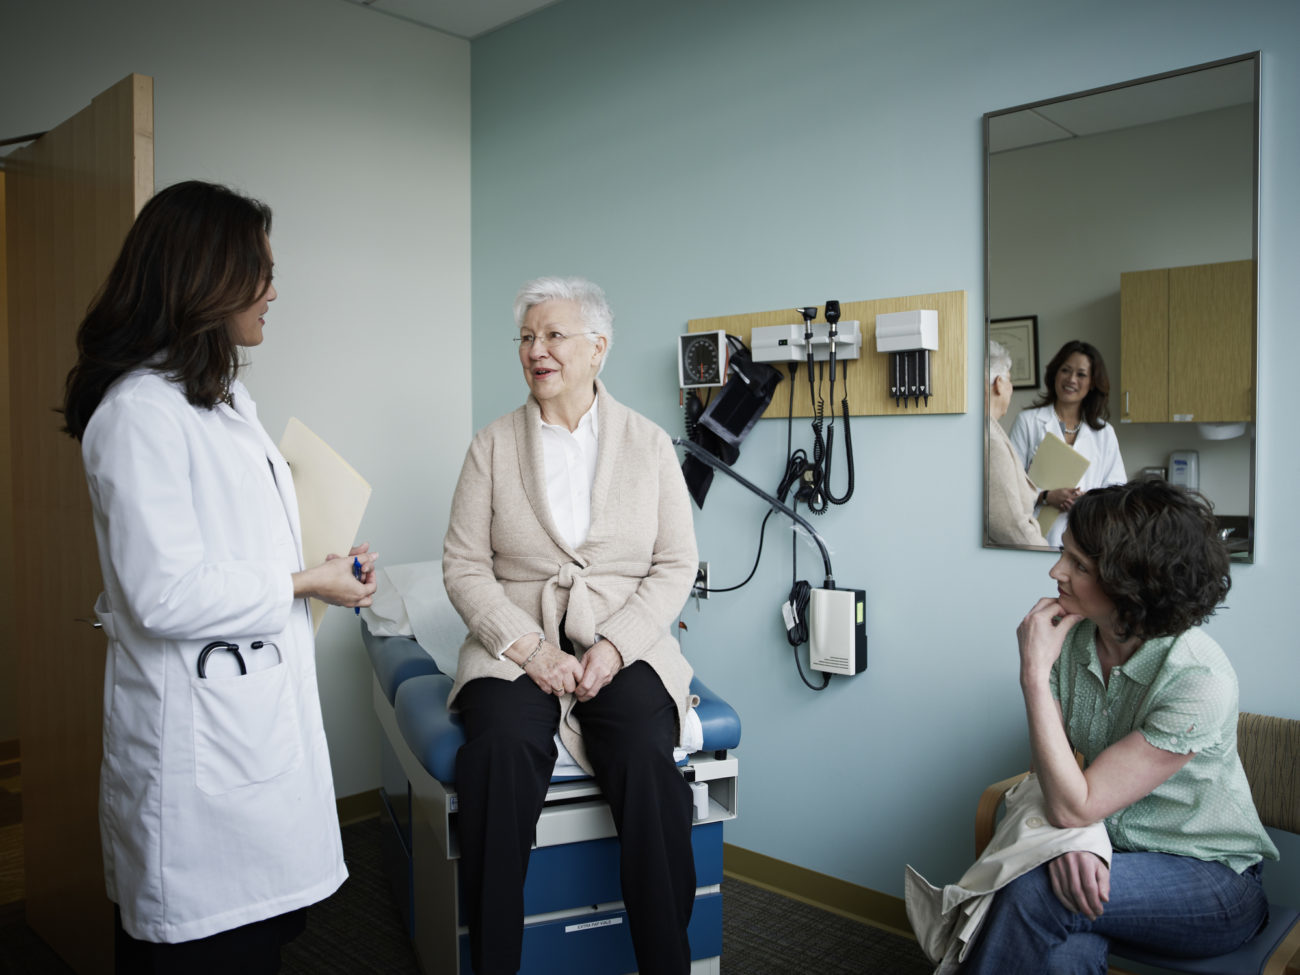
(508, 571)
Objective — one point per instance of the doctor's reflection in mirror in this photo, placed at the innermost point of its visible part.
(1012, 495)
(1075, 407)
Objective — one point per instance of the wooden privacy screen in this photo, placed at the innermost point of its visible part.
(868, 375)
(71, 196)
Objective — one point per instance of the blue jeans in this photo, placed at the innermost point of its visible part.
(1177, 905)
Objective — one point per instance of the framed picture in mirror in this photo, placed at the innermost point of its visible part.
(1019, 336)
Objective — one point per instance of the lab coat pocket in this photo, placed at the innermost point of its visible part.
(245, 729)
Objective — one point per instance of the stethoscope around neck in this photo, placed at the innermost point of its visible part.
(215, 645)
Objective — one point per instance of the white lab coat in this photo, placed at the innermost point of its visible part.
(1101, 448)
(216, 799)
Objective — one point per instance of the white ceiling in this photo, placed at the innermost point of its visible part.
(463, 18)
(1119, 108)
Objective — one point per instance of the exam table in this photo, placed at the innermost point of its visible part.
(575, 919)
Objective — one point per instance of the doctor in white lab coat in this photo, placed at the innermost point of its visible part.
(217, 808)
(1074, 407)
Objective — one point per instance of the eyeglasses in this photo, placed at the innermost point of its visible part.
(550, 340)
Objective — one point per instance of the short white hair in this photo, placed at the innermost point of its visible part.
(999, 361)
(592, 304)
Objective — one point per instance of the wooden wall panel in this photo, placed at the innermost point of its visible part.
(72, 195)
(8, 653)
(868, 376)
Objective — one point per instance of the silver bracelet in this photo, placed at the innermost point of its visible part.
(536, 650)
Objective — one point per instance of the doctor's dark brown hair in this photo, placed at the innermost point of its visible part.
(196, 255)
(1095, 408)
(1157, 553)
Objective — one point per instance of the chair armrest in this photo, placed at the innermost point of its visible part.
(986, 814)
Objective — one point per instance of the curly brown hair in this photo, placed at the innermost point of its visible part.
(1158, 554)
(196, 255)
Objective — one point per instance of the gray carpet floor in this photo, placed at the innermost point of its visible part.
(358, 930)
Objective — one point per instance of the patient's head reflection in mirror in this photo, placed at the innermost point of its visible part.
(1074, 407)
(1012, 496)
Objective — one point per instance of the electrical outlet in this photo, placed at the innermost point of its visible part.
(701, 588)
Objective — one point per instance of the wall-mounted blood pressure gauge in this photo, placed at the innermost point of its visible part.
(702, 359)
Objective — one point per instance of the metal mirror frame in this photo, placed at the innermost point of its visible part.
(1247, 555)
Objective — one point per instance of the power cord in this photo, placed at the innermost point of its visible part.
(761, 530)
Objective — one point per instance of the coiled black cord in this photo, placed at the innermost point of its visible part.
(814, 494)
(848, 449)
(797, 632)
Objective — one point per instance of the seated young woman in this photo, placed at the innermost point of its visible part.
(1116, 666)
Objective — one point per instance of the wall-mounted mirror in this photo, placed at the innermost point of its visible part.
(1125, 218)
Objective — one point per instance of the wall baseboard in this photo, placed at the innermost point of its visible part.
(818, 889)
(354, 809)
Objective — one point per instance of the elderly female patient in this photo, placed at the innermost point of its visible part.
(1116, 667)
(570, 552)
(1011, 494)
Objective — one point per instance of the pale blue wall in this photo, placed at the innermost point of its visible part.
(710, 157)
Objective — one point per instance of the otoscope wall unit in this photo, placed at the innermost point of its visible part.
(786, 343)
(866, 375)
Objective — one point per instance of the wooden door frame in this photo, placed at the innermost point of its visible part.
(71, 197)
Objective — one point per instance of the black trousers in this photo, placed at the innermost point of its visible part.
(252, 949)
(502, 774)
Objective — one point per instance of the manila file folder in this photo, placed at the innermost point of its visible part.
(1056, 465)
(332, 497)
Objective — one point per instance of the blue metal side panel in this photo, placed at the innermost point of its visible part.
(706, 841)
(580, 874)
(705, 930)
(601, 943)
(572, 875)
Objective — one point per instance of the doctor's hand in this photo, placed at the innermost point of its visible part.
(1081, 882)
(1041, 635)
(1063, 498)
(367, 565)
(332, 581)
(599, 665)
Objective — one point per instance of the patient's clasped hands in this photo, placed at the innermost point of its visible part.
(559, 673)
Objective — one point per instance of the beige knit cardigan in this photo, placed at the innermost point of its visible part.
(508, 571)
(1011, 494)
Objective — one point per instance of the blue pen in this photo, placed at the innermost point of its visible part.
(356, 574)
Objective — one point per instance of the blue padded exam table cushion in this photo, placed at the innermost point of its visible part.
(418, 692)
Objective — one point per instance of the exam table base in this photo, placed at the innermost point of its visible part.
(575, 919)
